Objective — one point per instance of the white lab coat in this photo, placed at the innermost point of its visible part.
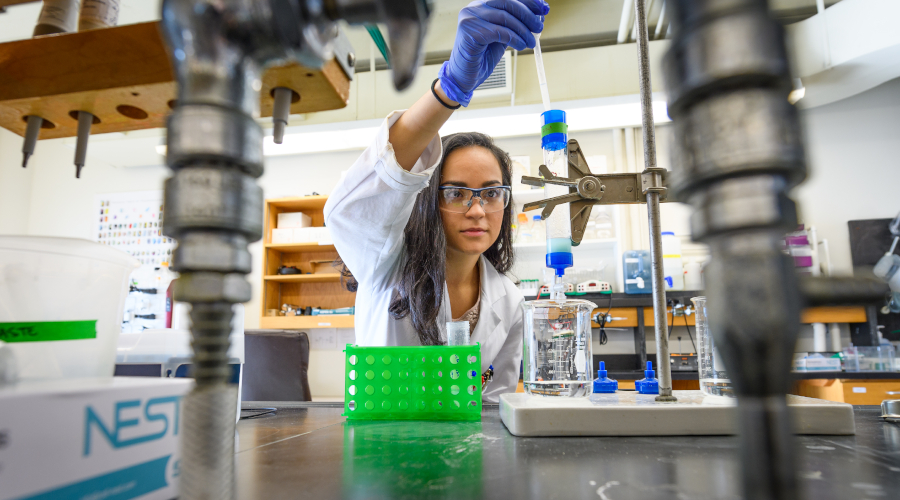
(366, 215)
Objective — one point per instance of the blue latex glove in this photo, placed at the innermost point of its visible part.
(486, 28)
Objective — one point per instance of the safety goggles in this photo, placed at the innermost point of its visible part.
(459, 199)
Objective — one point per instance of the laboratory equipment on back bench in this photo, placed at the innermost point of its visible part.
(558, 360)
(888, 269)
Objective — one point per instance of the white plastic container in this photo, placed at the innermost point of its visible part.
(673, 268)
(693, 276)
(61, 305)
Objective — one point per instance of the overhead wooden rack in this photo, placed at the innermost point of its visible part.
(8, 3)
(123, 76)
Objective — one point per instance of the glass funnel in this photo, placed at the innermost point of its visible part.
(557, 357)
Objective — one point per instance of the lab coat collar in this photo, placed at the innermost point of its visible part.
(492, 293)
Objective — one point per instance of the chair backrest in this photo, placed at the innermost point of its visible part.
(275, 366)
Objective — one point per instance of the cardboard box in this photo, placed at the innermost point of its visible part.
(293, 220)
(91, 438)
(283, 236)
(318, 235)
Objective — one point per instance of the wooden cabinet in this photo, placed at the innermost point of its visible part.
(629, 315)
(322, 289)
(853, 391)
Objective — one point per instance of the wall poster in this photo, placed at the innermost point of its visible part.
(132, 222)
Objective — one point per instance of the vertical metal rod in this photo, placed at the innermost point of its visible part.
(660, 327)
(646, 89)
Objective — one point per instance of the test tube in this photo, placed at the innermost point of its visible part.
(457, 333)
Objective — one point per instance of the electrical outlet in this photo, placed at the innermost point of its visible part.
(323, 338)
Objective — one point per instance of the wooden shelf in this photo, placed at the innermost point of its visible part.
(298, 203)
(101, 70)
(304, 322)
(7, 3)
(323, 290)
(299, 247)
(304, 278)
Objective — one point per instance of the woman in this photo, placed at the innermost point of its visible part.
(424, 225)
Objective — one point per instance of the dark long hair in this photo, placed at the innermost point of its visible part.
(420, 291)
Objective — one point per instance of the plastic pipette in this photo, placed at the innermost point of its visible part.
(542, 77)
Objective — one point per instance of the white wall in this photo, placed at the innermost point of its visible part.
(854, 166)
(15, 186)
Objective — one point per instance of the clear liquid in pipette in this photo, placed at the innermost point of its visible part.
(542, 77)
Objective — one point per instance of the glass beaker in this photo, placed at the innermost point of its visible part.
(714, 380)
(557, 357)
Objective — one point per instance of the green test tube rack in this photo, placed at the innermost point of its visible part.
(412, 383)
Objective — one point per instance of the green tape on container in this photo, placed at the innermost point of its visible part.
(554, 128)
(48, 331)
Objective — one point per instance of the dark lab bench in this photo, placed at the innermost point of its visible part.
(307, 450)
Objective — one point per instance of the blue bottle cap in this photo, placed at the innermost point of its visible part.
(670, 233)
(604, 384)
(649, 373)
(553, 116)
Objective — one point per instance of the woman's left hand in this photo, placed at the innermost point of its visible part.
(486, 28)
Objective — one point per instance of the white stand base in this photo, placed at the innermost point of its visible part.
(628, 413)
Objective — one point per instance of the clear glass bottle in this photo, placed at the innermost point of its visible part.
(523, 229)
(538, 233)
(714, 379)
(558, 359)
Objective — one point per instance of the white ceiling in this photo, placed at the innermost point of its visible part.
(592, 22)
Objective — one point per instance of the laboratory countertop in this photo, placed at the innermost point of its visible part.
(828, 375)
(308, 450)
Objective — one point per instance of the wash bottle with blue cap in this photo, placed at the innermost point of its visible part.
(554, 136)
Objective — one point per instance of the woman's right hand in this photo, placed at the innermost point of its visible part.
(486, 28)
